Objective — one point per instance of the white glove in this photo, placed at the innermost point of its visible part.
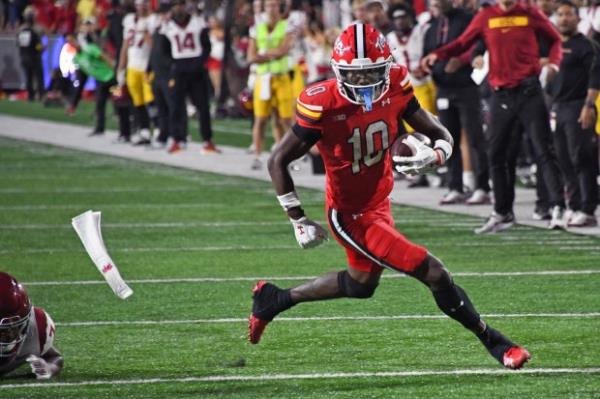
(425, 158)
(309, 234)
(39, 367)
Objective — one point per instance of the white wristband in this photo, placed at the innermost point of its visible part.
(444, 146)
(289, 200)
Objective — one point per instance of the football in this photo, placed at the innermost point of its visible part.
(401, 149)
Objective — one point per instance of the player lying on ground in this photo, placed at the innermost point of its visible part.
(26, 333)
(353, 119)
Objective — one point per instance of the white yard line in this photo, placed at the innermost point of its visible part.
(157, 249)
(32, 207)
(43, 207)
(42, 226)
(87, 190)
(303, 278)
(307, 376)
(276, 247)
(144, 225)
(317, 318)
(591, 247)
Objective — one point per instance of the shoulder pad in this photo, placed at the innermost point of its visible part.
(312, 102)
(399, 78)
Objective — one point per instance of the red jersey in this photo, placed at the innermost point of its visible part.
(352, 141)
(511, 39)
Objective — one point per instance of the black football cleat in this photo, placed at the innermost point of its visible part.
(507, 353)
(267, 302)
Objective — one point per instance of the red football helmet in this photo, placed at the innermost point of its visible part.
(361, 61)
(245, 101)
(15, 312)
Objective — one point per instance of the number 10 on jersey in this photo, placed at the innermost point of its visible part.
(371, 157)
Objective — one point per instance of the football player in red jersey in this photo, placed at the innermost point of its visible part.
(26, 333)
(354, 119)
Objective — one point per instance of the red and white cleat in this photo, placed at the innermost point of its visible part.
(516, 357)
(256, 326)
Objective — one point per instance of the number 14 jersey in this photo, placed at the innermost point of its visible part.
(185, 37)
(354, 142)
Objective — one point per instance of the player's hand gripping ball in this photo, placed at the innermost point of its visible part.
(412, 155)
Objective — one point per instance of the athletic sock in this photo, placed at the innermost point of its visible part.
(455, 303)
(495, 343)
(270, 301)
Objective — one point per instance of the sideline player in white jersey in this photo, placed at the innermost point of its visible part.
(133, 63)
(190, 47)
(26, 333)
(406, 42)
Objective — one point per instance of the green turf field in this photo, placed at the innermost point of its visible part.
(234, 132)
(191, 245)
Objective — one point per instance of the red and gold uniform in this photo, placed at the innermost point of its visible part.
(353, 143)
(39, 340)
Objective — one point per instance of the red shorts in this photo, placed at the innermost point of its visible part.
(213, 63)
(372, 242)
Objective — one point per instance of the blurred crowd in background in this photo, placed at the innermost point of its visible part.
(163, 62)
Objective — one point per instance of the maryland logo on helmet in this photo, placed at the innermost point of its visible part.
(361, 60)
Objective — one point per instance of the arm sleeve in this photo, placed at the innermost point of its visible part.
(543, 26)
(464, 41)
(412, 107)
(594, 62)
(306, 134)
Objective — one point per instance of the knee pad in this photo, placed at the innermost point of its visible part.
(433, 273)
(352, 288)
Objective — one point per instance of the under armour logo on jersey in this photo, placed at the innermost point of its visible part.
(107, 268)
(341, 117)
(300, 229)
(385, 102)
